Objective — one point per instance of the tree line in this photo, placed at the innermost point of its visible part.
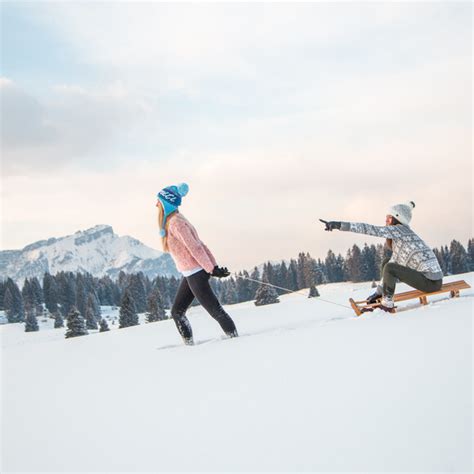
(73, 296)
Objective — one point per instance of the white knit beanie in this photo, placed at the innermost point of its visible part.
(402, 212)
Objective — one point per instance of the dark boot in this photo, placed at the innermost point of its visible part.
(375, 297)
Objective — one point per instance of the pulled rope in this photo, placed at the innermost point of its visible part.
(293, 291)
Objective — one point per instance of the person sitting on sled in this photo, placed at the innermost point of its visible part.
(194, 260)
(412, 261)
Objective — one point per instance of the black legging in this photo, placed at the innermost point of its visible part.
(198, 286)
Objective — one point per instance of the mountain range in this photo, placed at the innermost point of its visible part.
(98, 251)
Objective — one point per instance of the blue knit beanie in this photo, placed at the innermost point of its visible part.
(171, 197)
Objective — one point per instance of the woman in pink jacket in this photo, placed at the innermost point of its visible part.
(194, 260)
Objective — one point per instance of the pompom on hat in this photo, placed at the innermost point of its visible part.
(402, 212)
(171, 198)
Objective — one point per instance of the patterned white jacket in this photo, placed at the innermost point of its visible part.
(408, 248)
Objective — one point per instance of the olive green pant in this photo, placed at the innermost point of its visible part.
(393, 272)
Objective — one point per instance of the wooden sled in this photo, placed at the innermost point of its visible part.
(452, 288)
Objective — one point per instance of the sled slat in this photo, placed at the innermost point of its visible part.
(453, 288)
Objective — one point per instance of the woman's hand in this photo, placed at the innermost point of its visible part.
(331, 225)
(220, 272)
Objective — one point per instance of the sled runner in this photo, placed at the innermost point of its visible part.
(453, 288)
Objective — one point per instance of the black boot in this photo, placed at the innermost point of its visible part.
(374, 298)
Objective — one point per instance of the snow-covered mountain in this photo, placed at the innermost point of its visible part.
(98, 251)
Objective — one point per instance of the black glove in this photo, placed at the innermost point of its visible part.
(331, 225)
(220, 272)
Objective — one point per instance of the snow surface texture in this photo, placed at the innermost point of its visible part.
(98, 251)
(308, 387)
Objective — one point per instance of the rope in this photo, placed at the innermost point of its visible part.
(292, 291)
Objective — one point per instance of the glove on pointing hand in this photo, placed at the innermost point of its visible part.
(331, 225)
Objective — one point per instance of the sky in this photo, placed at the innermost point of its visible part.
(275, 114)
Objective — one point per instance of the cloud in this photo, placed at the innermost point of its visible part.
(22, 116)
(183, 45)
(73, 126)
(209, 78)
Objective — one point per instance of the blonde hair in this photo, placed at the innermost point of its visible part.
(161, 216)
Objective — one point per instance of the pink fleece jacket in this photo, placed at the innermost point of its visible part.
(185, 246)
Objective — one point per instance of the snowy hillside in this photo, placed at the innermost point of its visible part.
(98, 251)
(307, 387)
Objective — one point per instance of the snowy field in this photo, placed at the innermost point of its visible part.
(308, 387)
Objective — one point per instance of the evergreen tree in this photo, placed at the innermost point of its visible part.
(302, 274)
(229, 291)
(148, 286)
(127, 314)
(320, 272)
(94, 302)
(58, 319)
(117, 294)
(50, 293)
(161, 283)
(2, 295)
(76, 324)
(255, 276)
(37, 291)
(81, 295)
(67, 292)
(293, 275)
(440, 258)
(281, 274)
(9, 306)
(106, 291)
(39, 310)
(332, 267)
(354, 264)
(155, 307)
(266, 295)
(313, 292)
(459, 258)
(173, 284)
(91, 321)
(136, 286)
(103, 325)
(447, 259)
(31, 323)
(470, 254)
(369, 265)
(243, 287)
(32, 295)
(310, 270)
(27, 295)
(268, 273)
(123, 280)
(13, 302)
(339, 268)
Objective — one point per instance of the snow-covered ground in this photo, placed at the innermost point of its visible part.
(308, 387)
